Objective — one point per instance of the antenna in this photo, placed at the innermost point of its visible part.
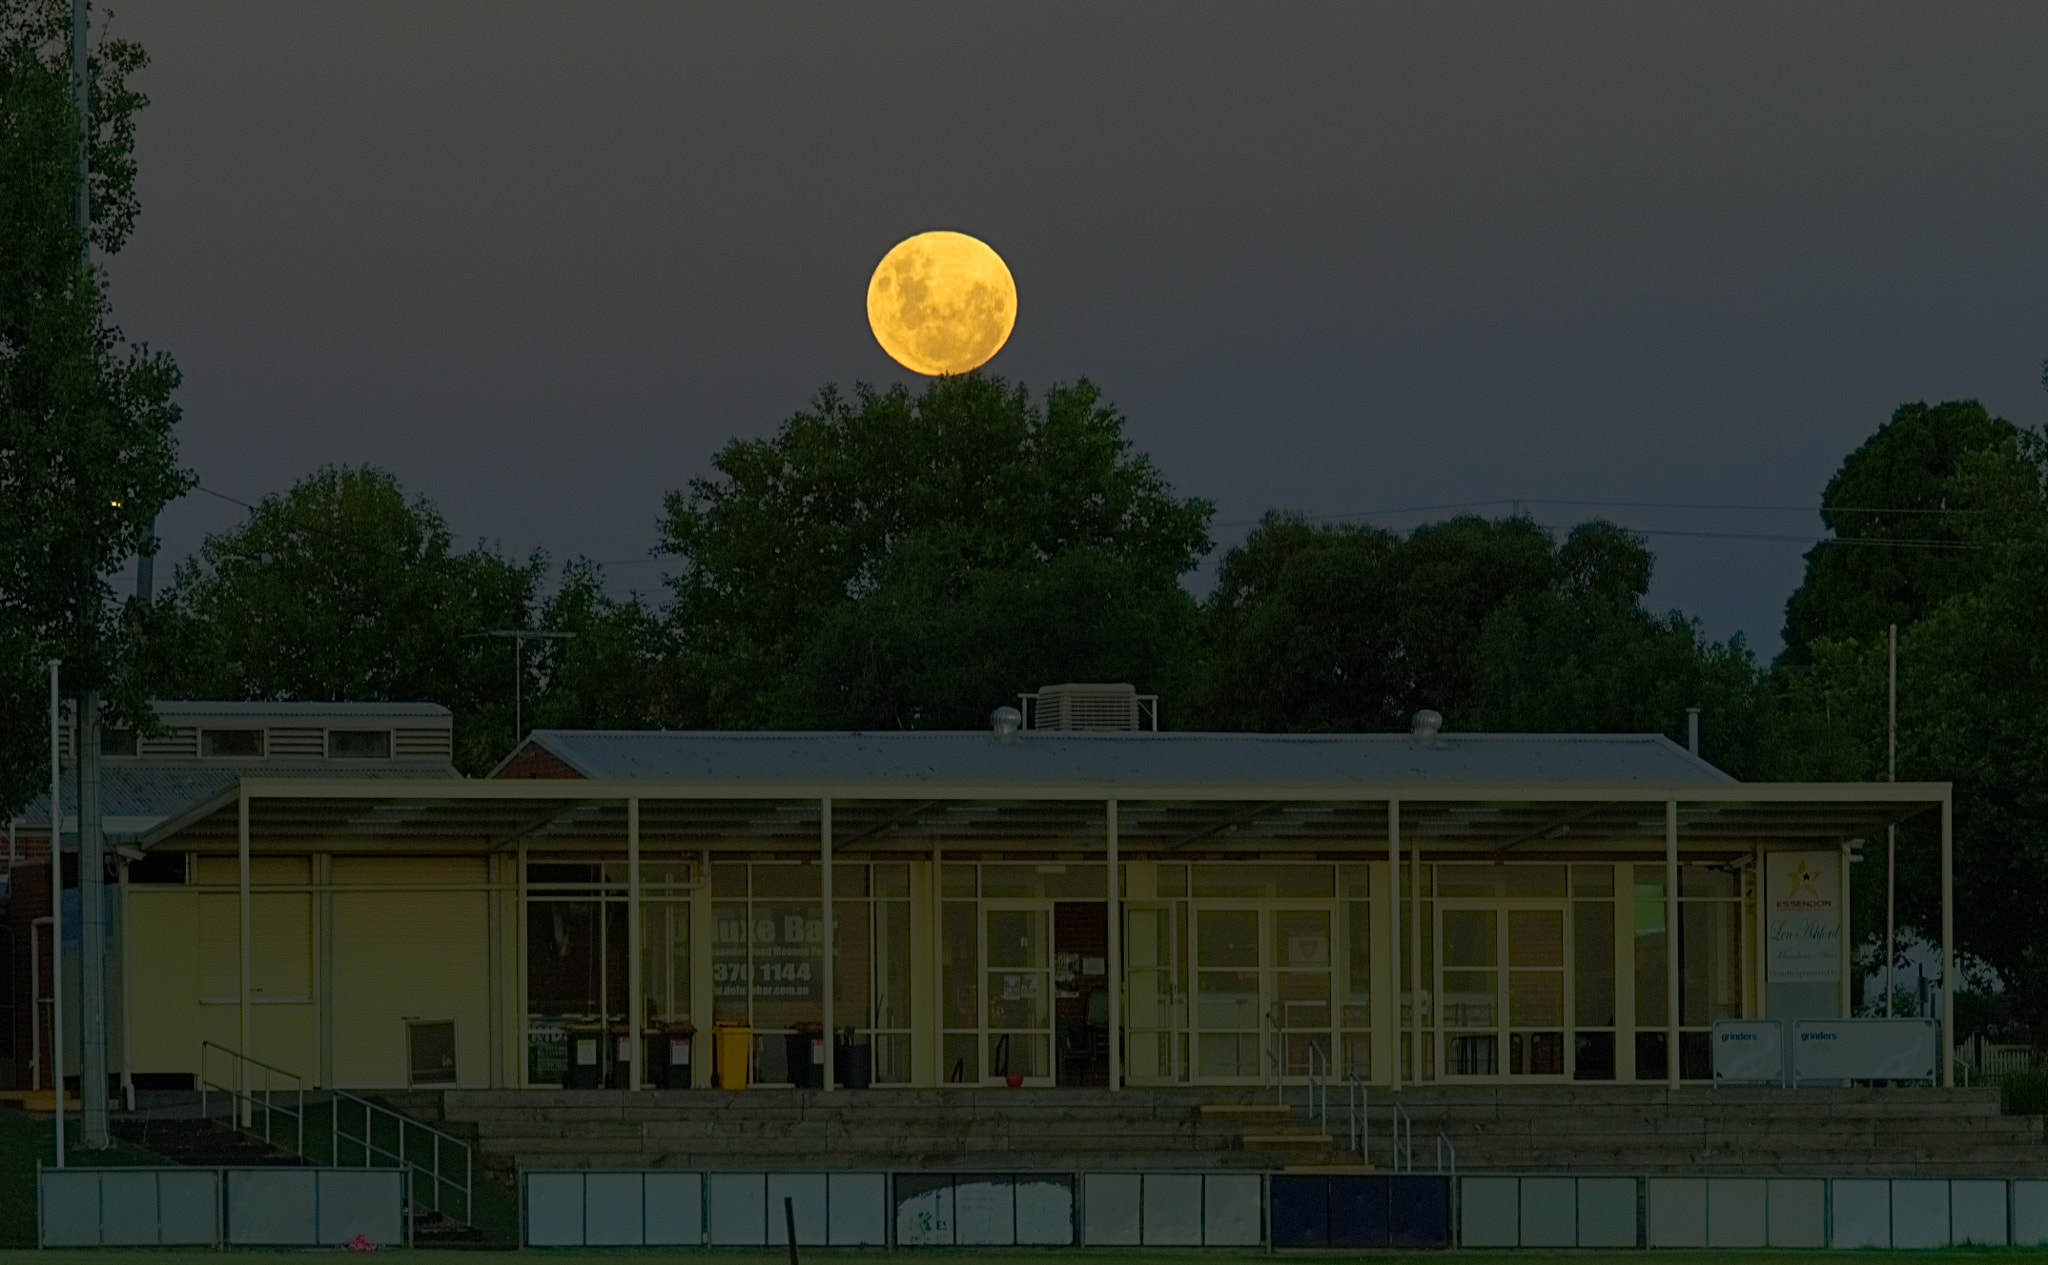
(519, 637)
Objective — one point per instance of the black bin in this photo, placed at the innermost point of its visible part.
(854, 1061)
(805, 1053)
(585, 1069)
(669, 1050)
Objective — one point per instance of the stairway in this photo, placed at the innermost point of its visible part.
(1568, 1128)
(1269, 1128)
(202, 1143)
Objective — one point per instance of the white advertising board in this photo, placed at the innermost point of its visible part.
(1749, 1050)
(1865, 1049)
(1804, 891)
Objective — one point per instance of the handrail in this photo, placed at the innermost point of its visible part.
(1402, 1148)
(428, 1169)
(1443, 1141)
(1270, 1041)
(242, 1096)
(1318, 1087)
(1359, 1098)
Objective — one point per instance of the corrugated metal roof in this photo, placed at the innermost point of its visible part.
(1192, 760)
(173, 709)
(137, 798)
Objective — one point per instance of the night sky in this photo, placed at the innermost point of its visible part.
(542, 260)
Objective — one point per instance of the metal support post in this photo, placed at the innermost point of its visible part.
(1948, 940)
(831, 1016)
(1671, 1013)
(1394, 930)
(1116, 961)
(242, 967)
(636, 1003)
(56, 911)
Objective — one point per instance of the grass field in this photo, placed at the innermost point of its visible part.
(1076, 1255)
(1046, 1256)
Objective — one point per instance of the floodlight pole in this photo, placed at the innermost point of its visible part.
(1891, 832)
(56, 909)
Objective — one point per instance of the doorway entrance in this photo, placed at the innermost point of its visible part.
(1262, 991)
(1503, 981)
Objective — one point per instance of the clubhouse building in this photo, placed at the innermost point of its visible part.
(1076, 902)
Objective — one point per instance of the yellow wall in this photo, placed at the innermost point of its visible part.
(408, 955)
(171, 928)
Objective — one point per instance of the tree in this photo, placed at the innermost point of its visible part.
(1584, 656)
(1900, 519)
(824, 567)
(342, 589)
(87, 455)
(615, 668)
(1345, 628)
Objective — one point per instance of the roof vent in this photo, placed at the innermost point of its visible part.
(1006, 721)
(1426, 726)
(1102, 708)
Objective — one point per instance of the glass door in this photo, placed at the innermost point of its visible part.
(1501, 978)
(1229, 1011)
(1299, 972)
(1016, 953)
(1153, 997)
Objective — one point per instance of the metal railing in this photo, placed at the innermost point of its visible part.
(238, 1080)
(1319, 1087)
(1401, 1149)
(1443, 1144)
(1359, 1099)
(434, 1184)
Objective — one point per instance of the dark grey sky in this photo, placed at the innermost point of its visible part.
(542, 260)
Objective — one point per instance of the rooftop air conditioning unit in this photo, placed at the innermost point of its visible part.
(1091, 707)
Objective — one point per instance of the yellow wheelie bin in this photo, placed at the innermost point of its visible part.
(735, 1054)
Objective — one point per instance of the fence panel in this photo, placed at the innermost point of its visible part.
(129, 1207)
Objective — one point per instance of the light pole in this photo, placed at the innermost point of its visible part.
(56, 909)
(519, 637)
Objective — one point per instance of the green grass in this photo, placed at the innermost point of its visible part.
(1044, 1256)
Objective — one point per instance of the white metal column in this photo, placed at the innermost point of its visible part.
(1394, 933)
(831, 955)
(1671, 940)
(636, 1004)
(1948, 939)
(1116, 963)
(244, 1114)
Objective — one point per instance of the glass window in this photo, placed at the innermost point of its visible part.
(1593, 963)
(1470, 880)
(117, 741)
(1707, 881)
(1593, 881)
(892, 880)
(1354, 881)
(1307, 882)
(959, 881)
(1709, 961)
(359, 744)
(1650, 964)
(1535, 880)
(231, 743)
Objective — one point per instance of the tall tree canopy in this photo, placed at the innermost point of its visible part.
(1334, 627)
(1973, 681)
(87, 455)
(893, 560)
(343, 589)
(1900, 486)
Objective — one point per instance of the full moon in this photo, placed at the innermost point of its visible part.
(942, 302)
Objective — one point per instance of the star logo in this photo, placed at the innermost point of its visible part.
(1802, 881)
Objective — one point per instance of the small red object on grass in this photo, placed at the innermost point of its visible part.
(1016, 1081)
(361, 1244)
